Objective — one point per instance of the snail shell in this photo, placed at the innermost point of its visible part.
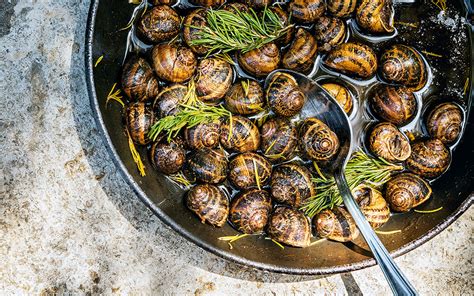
(203, 135)
(307, 11)
(245, 98)
(329, 32)
(342, 95)
(318, 141)
(387, 142)
(244, 135)
(168, 158)
(429, 158)
(208, 3)
(242, 170)
(336, 224)
(139, 119)
(168, 100)
(279, 139)
(406, 191)
(236, 7)
(445, 122)
(352, 58)
(260, 61)
(291, 184)
(403, 65)
(208, 165)
(285, 21)
(138, 80)
(159, 24)
(209, 203)
(197, 18)
(372, 204)
(167, 2)
(290, 227)
(258, 3)
(393, 104)
(341, 8)
(284, 95)
(250, 210)
(301, 53)
(375, 16)
(173, 63)
(214, 79)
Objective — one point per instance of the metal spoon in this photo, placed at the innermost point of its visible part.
(321, 105)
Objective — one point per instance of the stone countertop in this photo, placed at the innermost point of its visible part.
(69, 223)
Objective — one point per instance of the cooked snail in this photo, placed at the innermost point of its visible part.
(406, 191)
(429, 158)
(285, 21)
(318, 141)
(301, 53)
(403, 65)
(209, 203)
(192, 22)
(173, 63)
(336, 224)
(291, 184)
(279, 139)
(284, 95)
(249, 170)
(445, 122)
(208, 165)
(167, 2)
(138, 80)
(260, 61)
(169, 99)
(236, 7)
(139, 119)
(168, 158)
(289, 226)
(307, 11)
(208, 3)
(342, 95)
(258, 3)
(387, 142)
(329, 32)
(341, 8)
(393, 104)
(372, 204)
(375, 16)
(245, 98)
(159, 24)
(214, 78)
(250, 210)
(240, 134)
(203, 135)
(352, 58)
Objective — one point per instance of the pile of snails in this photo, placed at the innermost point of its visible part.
(255, 175)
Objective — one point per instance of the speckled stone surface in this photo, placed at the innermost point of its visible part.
(70, 224)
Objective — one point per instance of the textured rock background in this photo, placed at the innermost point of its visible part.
(69, 222)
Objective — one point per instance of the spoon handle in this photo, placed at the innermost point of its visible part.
(397, 280)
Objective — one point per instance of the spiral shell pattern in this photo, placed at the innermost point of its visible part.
(209, 203)
(429, 158)
(372, 204)
(329, 32)
(249, 170)
(302, 52)
(445, 122)
(336, 224)
(138, 80)
(245, 98)
(290, 227)
(139, 119)
(406, 191)
(214, 78)
(341, 8)
(318, 141)
(307, 11)
(395, 104)
(250, 210)
(191, 28)
(375, 16)
(278, 139)
(168, 101)
(291, 184)
(342, 95)
(173, 63)
(203, 135)
(168, 158)
(240, 134)
(208, 165)
(387, 142)
(352, 58)
(159, 24)
(261, 61)
(284, 95)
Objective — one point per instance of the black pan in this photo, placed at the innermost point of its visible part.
(453, 191)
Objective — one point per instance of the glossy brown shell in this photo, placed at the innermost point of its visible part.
(245, 98)
(214, 78)
(342, 95)
(260, 61)
(167, 2)
(168, 158)
(352, 58)
(284, 95)
(387, 142)
(258, 3)
(372, 204)
(375, 16)
(138, 80)
(445, 122)
(203, 135)
(403, 65)
(249, 170)
(290, 227)
(209, 203)
(197, 18)
(159, 24)
(168, 100)
(429, 158)
(244, 135)
(395, 104)
(208, 3)
(208, 165)
(235, 7)
(306, 11)
(301, 54)
(336, 224)
(291, 184)
(279, 139)
(329, 32)
(173, 63)
(285, 20)
(317, 140)
(139, 119)
(250, 210)
(341, 8)
(406, 191)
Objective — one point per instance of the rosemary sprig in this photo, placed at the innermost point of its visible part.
(98, 61)
(361, 169)
(136, 156)
(180, 178)
(428, 211)
(114, 95)
(441, 4)
(388, 232)
(232, 238)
